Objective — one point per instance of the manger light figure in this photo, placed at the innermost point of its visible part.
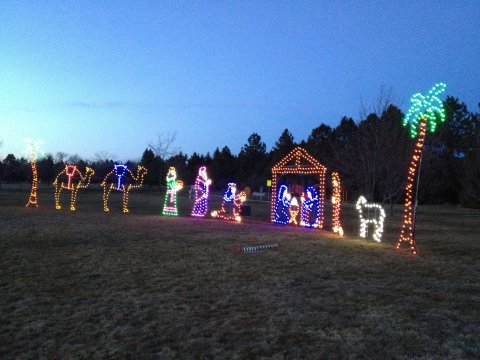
(310, 212)
(124, 180)
(202, 184)
(293, 210)
(231, 204)
(173, 185)
(73, 180)
(336, 204)
(282, 215)
(370, 213)
(32, 150)
(426, 111)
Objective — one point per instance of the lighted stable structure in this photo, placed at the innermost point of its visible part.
(73, 180)
(299, 162)
(202, 191)
(124, 180)
(33, 198)
(370, 213)
(336, 204)
(173, 186)
(425, 112)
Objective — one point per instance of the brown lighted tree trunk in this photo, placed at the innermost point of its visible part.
(33, 199)
(407, 234)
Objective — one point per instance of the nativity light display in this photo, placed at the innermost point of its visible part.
(202, 184)
(336, 204)
(173, 186)
(122, 179)
(299, 162)
(73, 180)
(425, 113)
(370, 213)
(231, 204)
(33, 198)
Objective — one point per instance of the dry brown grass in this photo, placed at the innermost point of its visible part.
(90, 285)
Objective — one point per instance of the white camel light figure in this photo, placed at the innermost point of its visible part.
(375, 216)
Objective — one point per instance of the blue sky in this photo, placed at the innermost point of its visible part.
(108, 76)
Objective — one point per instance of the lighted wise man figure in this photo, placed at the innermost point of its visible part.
(281, 207)
(173, 185)
(202, 183)
(310, 213)
(231, 204)
(227, 202)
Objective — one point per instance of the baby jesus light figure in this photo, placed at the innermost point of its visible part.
(293, 210)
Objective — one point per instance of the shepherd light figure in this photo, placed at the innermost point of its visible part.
(374, 214)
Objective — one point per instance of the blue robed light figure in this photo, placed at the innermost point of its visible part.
(282, 215)
(310, 213)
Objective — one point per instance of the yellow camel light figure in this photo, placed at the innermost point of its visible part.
(71, 179)
(112, 181)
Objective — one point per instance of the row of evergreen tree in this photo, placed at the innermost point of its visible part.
(371, 156)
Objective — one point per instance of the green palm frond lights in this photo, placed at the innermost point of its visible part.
(429, 107)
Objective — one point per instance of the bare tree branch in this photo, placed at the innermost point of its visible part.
(60, 157)
(164, 147)
(103, 156)
(379, 106)
(74, 158)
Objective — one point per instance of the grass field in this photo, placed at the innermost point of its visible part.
(94, 285)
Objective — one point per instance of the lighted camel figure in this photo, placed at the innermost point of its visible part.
(124, 180)
(73, 180)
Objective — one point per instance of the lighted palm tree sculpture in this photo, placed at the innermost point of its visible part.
(425, 112)
(33, 198)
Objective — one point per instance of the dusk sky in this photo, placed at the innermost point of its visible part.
(108, 76)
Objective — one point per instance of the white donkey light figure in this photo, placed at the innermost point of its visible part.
(375, 215)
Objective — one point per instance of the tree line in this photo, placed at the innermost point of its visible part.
(371, 156)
